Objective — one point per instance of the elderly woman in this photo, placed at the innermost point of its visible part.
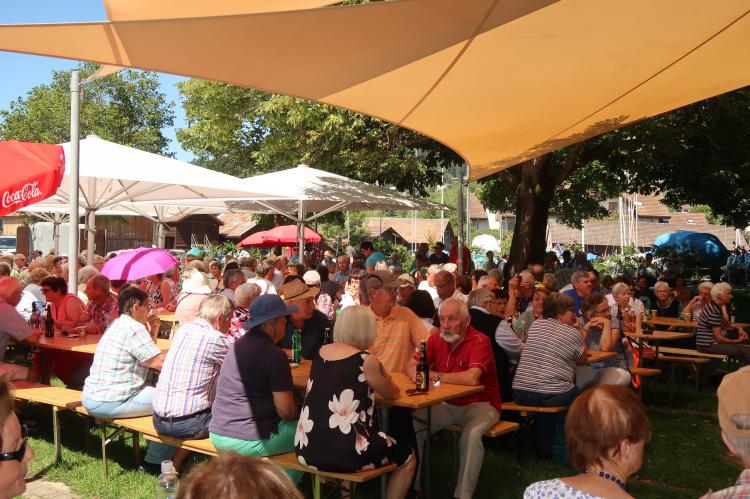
(66, 307)
(245, 294)
(547, 369)
(695, 306)
(15, 451)
(625, 309)
(602, 334)
(254, 412)
(345, 379)
(116, 386)
(711, 331)
(194, 291)
(606, 457)
(32, 292)
(522, 325)
(666, 304)
(84, 275)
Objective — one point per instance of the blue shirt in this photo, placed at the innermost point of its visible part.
(340, 276)
(374, 258)
(577, 298)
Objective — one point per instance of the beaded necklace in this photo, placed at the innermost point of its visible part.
(607, 476)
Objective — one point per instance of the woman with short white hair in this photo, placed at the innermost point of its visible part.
(711, 333)
(666, 305)
(695, 306)
(337, 429)
(625, 309)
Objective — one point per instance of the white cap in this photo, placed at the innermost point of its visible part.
(167, 466)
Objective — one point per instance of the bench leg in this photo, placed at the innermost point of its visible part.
(136, 448)
(104, 449)
(56, 434)
(316, 486)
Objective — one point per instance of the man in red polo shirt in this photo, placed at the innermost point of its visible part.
(462, 356)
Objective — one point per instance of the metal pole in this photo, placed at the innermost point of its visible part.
(91, 223)
(75, 108)
(301, 230)
(460, 203)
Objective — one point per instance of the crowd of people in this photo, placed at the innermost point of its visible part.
(360, 318)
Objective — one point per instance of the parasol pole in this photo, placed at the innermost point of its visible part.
(75, 108)
(301, 230)
(460, 210)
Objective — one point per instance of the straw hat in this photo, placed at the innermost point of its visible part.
(298, 290)
(197, 283)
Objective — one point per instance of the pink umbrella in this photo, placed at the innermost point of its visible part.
(138, 263)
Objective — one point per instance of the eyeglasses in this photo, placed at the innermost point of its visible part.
(17, 455)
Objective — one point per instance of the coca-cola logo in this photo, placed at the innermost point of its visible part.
(25, 193)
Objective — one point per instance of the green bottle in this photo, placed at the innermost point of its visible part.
(296, 346)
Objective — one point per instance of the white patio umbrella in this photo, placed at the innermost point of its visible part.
(113, 177)
(308, 190)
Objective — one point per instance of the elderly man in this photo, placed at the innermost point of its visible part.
(101, 309)
(429, 283)
(520, 293)
(265, 272)
(488, 282)
(12, 325)
(187, 383)
(734, 420)
(581, 281)
(311, 322)
(232, 279)
(19, 264)
(342, 269)
(711, 331)
(445, 285)
(460, 355)
(406, 287)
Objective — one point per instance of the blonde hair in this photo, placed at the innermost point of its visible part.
(214, 306)
(619, 288)
(719, 289)
(480, 297)
(659, 285)
(355, 326)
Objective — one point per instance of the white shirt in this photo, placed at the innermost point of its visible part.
(425, 286)
(506, 338)
(457, 294)
(31, 293)
(278, 280)
(635, 305)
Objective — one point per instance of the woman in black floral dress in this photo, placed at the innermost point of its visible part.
(337, 428)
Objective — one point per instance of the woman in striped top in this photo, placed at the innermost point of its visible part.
(547, 369)
(711, 331)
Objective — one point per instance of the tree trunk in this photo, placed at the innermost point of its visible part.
(535, 192)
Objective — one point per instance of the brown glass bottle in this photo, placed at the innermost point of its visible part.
(423, 370)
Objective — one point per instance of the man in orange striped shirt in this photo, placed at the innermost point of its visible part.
(399, 330)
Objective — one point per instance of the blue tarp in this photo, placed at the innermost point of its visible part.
(708, 246)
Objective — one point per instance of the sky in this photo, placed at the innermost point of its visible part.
(19, 73)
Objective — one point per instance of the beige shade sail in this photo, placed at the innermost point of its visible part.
(130, 10)
(498, 82)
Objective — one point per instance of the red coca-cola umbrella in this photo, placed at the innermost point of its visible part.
(30, 173)
(278, 236)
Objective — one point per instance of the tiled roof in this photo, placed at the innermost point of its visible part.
(607, 232)
(236, 224)
(427, 229)
(652, 205)
(476, 208)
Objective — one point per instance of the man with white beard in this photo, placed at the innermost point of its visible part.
(463, 356)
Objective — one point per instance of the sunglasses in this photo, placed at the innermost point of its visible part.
(17, 455)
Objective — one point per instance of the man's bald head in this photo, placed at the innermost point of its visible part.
(11, 290)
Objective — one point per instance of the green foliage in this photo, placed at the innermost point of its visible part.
(126, 107)
(245, 132)
(217, 251)
(389, 247)
(617, 264)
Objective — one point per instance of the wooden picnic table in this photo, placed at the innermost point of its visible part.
(86, 344)
(595, 356)
(671, 321)
(166, 316)
(657, 337)
(436, 395)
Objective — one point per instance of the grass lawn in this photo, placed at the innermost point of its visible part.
(685, 458)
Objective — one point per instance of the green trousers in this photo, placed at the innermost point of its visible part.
(280, 442)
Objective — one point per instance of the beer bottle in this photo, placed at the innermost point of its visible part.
(175, 328)
(423, 370)
(327, 336)
(296, 346)
(49, 323)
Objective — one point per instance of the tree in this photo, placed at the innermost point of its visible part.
(698, 154)
(126, 107)
(246, 132)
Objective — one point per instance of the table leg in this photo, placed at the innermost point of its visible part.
(383, 478)
(427, 446)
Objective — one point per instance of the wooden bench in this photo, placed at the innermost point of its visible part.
(644, 371)
(691, 353)
(57, 397)
(525, 410)
(145, 425)
(497, 430)
(289, 461)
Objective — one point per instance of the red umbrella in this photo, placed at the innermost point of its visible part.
(287, 234)
(255, 240)
(31, 172)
